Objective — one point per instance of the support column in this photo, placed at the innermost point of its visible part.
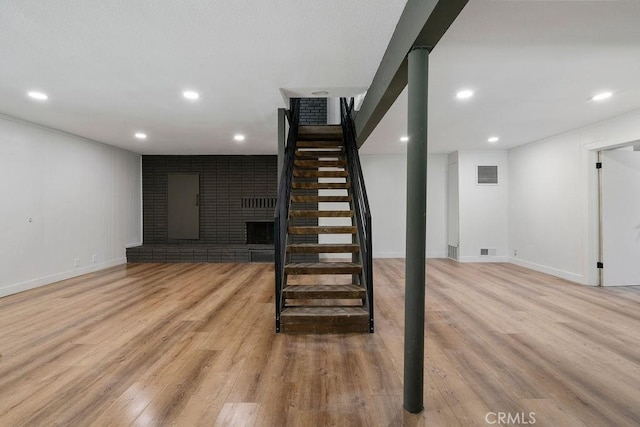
(281, 140)
(418, 70)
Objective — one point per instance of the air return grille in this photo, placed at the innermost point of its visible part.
(487, 251)
(487, 174)
(453, 252)
(260, 202)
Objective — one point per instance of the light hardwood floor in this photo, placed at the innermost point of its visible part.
(194, 345)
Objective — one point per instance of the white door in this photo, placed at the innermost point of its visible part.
(621, 217)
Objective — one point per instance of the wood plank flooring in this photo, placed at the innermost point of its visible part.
(194, 345)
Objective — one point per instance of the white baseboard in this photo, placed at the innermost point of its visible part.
(388, 254)
(484, 258)
(402, 255)
(47, 280)
(436, 255)
(578, 278)
(614, 286)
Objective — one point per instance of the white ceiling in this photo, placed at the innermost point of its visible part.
(114, 67)
(533, 66)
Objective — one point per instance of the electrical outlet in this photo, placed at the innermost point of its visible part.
(515, 252)
(94, 258)
(76, 262)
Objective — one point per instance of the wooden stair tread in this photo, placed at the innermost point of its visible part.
(305, 173)
(319, 132)
(324, 328)
(324, 319)
(320, 185)
(323, 248)
(320, 199)
(324, 292)
(320, 144)
(324, 315)
(327, 229)
(315, 154)
(322, 268)
(319, 163)
(320, 214)
(325, 310)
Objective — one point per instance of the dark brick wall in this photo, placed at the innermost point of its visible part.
(233, 190)
(313, 111)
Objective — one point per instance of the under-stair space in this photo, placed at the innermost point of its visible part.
(329, 295)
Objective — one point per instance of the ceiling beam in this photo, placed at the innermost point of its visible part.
(422, 23)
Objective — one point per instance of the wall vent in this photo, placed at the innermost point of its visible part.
(452, 253)
(487, 252)
(487, 175)
(259, 202)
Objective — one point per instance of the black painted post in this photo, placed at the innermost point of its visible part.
(281, 139)
(416, 230)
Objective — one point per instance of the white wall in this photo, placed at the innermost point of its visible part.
(545, 222)
(551, 198)
(333, 111)
(453, 201)
(436, 206)
(63, 199)
(482, 208)
(386, 180)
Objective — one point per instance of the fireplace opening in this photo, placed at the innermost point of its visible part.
(259, 232)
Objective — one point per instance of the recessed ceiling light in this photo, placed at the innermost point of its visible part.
(464, 94)
(602, 96)
(238, 138)
(189, 94)
(493, 139)
(404, 139)
(141, 135)
(319, 92)
(38, 95)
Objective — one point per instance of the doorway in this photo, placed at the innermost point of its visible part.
(619, 190)
(183, 206)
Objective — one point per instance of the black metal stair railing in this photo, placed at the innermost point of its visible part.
(281, 214)
(360, 202)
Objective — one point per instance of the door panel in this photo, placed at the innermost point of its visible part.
(621, 217)
(183, 206)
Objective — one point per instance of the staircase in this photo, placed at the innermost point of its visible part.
(329, 294)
